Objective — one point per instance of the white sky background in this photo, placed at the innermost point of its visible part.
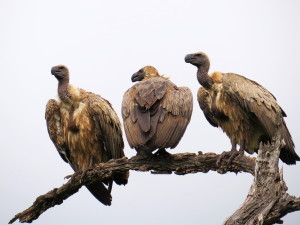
(103, 43)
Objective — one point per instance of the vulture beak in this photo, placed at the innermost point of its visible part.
(189, 58)
(53, 70)
(138, 76)
(58, 73)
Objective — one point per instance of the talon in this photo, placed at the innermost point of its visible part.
(68, 176)
(222, 156)
(162, 152)
(234, 154)
(231, 154)
(143, 154)
(84, 173)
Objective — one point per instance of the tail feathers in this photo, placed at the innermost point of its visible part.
(121, 178)
(100, 192)
(288, 154)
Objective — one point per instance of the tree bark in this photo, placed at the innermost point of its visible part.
(266, 203)
(180, 164)
(267, 200)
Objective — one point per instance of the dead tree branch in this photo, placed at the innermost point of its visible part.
(267, 201)
(180, 164)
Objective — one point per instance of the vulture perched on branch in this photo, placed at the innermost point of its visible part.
(85, 130)
(155, 112)
(245, 110)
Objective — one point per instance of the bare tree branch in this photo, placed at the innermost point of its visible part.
(267, 201)
(285, 205)
(180, 164)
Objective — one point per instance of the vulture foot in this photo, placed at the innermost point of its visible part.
(162, 152)
(143, 154)
(84, 173)
(231, 155)
(71, 175)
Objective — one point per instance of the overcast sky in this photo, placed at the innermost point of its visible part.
(103, 43)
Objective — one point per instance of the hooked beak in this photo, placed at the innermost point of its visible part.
(138, 76)
(53, 70)
(189, 58)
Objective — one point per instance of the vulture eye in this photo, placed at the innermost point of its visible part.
(140, 71)
(61, 67)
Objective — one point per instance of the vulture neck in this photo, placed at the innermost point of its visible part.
(63, 91)
(202, 76)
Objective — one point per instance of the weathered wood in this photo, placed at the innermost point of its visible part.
(285, 205)
(180, 164)
(267, 201)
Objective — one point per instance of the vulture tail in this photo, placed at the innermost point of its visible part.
(100, 192)
(288, 154)
(121, 178)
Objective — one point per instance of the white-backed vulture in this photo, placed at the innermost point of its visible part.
(155, 112)
(242, 108)
(85, 131)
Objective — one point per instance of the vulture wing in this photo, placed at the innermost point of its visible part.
(107, 125)
(53, 120)
(205, 102)
(132, 129)
(177, 107)
(54, 125)
(137, 103)
(108, 131)
(258, 103)
(156, 110)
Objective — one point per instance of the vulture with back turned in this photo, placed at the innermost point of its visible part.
(155, 112)
(85, 131)
(242, 108)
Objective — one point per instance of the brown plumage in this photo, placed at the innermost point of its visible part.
(245, 110)
(155, 112)
(85, 130)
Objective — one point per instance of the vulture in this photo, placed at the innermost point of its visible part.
(86, 131)
(242, 108)
(155, 112)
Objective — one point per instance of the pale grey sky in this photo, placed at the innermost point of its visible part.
(103, 43)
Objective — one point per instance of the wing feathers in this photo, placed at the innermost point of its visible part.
(205, 101)
(143, 118)
(156, 113)
(261, 107)
(100, 192)
(108, 126)
(288, 153)
(54, 127)
(253, 98)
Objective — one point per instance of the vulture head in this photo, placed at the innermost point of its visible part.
(61, 72)
(197, 59)
(145, 73)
